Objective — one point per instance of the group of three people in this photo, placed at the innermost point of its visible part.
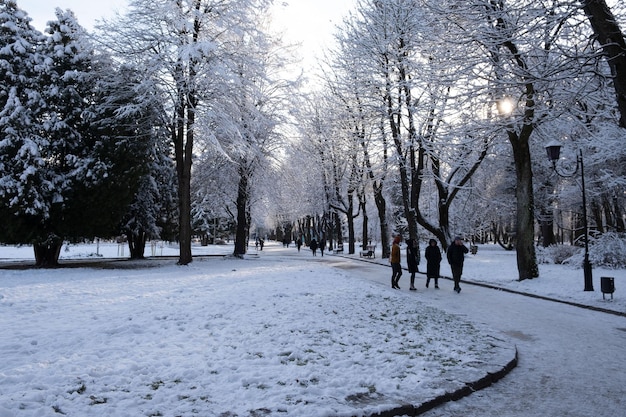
(455, 254)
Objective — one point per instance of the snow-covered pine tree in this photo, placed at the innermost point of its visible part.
(140, 113)
(25, 190)
(69, 167)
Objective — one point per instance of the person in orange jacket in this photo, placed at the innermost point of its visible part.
(396, 268)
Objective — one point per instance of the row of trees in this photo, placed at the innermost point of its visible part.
(216, 67)
(439, 111)
(100, 131)
(432, 114)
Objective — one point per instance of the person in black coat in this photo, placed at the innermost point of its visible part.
(456, 256)
(412, 260)
(433, 262)
(313, 246)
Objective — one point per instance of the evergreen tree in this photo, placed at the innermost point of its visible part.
(153, 207)
(69, 165)
(25, 190)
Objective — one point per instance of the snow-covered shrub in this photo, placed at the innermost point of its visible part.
(608, 250)
(556, 254)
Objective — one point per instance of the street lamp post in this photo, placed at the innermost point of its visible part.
(554, 151)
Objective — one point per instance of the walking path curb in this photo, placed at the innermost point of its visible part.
(467, 389)
(464, 391)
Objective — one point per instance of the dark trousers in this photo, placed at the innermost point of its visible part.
(396, 274)
(436, 278)
(457, 270)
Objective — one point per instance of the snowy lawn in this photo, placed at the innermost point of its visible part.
(224, 337)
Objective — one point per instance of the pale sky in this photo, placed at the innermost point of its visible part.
(310, 22)
(86, 11)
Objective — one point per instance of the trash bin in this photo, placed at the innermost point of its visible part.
(607, 286)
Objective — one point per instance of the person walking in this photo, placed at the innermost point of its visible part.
(396, 269)
(456, 256)
(313, 246)
(412, 260)
(433, 262)
(322, 246)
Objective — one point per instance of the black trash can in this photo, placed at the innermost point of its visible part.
(607, 286)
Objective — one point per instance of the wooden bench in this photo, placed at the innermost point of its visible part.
(338, 249)
(369, 252)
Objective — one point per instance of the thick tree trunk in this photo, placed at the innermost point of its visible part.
(47, 253)
(609, 35)
(526, 257)
(547, 230)
(183, 147)
(242, 204)
(184, 213)
(338, 229)
(136, 244)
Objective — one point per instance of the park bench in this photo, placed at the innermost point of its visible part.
(369, 252)
(338, 249)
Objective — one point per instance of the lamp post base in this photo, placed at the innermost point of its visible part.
(588, 275)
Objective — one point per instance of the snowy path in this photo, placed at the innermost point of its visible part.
(571, 359)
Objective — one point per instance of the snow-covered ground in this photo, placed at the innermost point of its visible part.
(273, 335)
(491, 265)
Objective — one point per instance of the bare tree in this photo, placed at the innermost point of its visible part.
(181, 45)
(611, 38)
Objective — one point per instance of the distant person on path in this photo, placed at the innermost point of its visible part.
(396, 269)
(322, 246)
(412, 260)
(433, 262)
(261, 243)
(313, 246)
(456, 256)
(299, 243)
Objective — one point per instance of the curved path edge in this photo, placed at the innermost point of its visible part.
(467, 389)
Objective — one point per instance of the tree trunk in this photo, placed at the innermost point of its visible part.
(597, 212)
(184, 212)
(242, 204)
(183, 148)
(620, 226)
(365, 225)
(136, 244)
(338, 229)
(381, 205)
(547, 233)
(350, 219)
(526, 257)
(47, 253)
(546, 226)
(609, 35)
